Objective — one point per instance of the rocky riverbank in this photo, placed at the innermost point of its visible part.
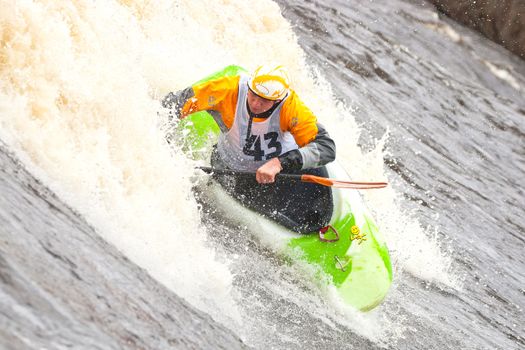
(503, 21)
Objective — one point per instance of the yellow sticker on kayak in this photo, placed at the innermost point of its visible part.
(355, 234)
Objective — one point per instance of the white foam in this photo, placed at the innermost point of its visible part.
(503, 74)
(76, 101)
(445, 29)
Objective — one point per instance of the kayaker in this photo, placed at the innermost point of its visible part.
(265, 127)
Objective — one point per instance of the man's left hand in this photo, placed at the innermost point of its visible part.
(266, 173)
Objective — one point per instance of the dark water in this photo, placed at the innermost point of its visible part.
(456, 147)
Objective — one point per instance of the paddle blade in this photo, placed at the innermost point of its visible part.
(342, 184)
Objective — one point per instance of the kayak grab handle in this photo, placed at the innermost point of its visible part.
(324, 230)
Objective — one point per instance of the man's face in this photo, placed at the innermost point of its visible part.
(258, 104)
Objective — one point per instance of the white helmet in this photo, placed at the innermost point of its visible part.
(270, 82)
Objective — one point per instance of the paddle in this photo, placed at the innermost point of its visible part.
(323, 181)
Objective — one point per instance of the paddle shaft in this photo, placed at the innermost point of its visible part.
(323, 181)
(209, 170)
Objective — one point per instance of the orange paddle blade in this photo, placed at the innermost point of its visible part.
(358, 185)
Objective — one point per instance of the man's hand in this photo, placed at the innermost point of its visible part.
(266, 173)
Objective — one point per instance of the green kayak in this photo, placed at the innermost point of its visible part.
(351, 253)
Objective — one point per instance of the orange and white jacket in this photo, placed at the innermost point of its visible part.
(223, 97)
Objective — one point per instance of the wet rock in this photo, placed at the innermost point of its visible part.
(503, 21)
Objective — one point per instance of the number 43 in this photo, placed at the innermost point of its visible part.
(252, 147)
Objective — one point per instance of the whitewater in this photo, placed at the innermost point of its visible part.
(80, 88)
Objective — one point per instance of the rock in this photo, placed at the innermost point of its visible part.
(503, 21)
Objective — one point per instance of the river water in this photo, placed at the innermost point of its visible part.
(408, 97)
(452, 104)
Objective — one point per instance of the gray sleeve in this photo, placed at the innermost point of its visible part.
(317, 153)
(320, 151)
(175, 101)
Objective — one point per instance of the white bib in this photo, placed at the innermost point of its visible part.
(266, 139)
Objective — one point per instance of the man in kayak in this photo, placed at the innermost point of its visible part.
(265, 128)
